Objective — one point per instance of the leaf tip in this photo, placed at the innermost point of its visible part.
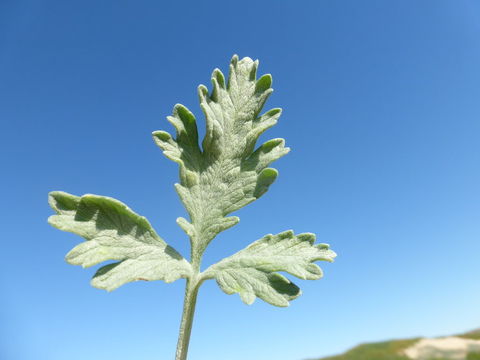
(51, 220)
(266, 178)
(202, 92)
(234, 60)
(310, 237)
(218, 77)
(161, 135)
(100, 286)
(264, 83)
(62, 202)
(247, 297)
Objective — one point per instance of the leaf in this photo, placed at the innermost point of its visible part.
(252, 272)
(227, 173)
(114, 232)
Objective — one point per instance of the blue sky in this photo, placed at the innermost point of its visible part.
(381, 110)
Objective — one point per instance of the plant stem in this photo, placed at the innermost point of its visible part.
(191, 291)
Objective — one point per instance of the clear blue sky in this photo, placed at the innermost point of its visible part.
(381, 110)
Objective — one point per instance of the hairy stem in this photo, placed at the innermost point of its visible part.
(191, 291)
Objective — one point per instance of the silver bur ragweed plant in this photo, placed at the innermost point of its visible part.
(223, 175)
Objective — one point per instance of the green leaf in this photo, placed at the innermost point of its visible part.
(252, 272)
(114, 232)
(227, 173)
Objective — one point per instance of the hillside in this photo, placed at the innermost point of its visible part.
(394, 349)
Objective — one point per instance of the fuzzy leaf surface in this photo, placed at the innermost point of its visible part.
(253, 271)
(227, 172)
(114, 232)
